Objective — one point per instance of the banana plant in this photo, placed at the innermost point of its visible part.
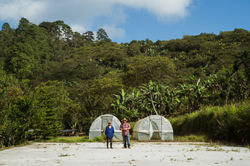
(126, 101)
(150, 91)
(120, 100)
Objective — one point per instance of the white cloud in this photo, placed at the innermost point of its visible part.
(83, 14)
(78, 28)
(114, 32)
(163, 9)
(15, 9)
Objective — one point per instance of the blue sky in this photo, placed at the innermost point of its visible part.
(127, 20)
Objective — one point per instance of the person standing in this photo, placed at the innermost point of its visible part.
(109, 132)
(125, 133)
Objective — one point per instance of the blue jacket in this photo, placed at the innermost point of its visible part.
(109, 132)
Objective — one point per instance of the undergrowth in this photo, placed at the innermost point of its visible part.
(230, 123)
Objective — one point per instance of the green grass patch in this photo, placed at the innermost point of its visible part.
(73, 139)
(192, 138)
(69, 139)
(99, 139)
(63, 155)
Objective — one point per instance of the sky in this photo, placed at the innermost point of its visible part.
(127, 20)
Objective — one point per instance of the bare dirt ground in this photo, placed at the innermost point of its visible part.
(145, 154)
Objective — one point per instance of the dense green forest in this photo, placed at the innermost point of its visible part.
(53, 78)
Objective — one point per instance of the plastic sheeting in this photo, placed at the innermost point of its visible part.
(98, 127)
(154, 127)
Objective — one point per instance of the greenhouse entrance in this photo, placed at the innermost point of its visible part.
(98, 127)
(154, 127)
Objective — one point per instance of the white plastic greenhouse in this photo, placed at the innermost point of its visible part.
(154, 127)
(98, 127)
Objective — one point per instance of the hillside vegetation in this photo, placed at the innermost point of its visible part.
(52, 77)
(227, 124)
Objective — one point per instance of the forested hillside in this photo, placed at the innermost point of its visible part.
(52, 77)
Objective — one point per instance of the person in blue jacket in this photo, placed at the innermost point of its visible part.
(109, 132)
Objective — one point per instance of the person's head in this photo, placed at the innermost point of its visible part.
(109, 123)
(124, 120)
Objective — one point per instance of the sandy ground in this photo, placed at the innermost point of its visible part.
(151, 154)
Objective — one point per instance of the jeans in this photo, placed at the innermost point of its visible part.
(125, 139)
(109, 140)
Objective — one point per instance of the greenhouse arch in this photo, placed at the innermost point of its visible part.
(98, 127)
(154, 127)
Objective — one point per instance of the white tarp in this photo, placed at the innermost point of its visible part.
(154, 127)
(98, 127)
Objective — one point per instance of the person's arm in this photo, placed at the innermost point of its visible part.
(106, 131)
(126, 127)
(113, 130)
(121, 127)
(129, 127)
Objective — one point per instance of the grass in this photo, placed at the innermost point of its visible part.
(73, 139)
(235, 150)
(63, 155)
(215, 149)
(65, 147)
(192, 138)
(70, 139)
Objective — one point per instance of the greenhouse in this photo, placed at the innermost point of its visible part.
(98, 127)
(154, 127)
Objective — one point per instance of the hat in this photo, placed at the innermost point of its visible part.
(109, 122)
(124, 119)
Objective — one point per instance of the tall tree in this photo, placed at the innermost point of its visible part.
(50, 123)
(89, 36)
(23, 24)
(102, 35)
(59, 97)
(6, 27)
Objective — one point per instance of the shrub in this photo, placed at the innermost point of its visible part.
(229, 123)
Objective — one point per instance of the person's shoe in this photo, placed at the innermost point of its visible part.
(129, 147)
(111, 148)
(107, 147)
(123, 147)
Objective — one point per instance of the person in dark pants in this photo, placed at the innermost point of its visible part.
(109, 132)
(125, 133)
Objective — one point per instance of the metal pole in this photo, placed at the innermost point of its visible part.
(149, 128)
(161, 128)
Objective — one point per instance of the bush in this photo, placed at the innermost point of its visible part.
(229, 123)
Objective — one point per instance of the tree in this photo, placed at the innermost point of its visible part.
(134, 49)
(49, 124)
(57, 29)
(244, 60)
(23, 24)
(141, 69)
(89, 36)
(21, 60)
(78, 40)
(6, 27)
(102, 35)
(16, 109)
(58, 96)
